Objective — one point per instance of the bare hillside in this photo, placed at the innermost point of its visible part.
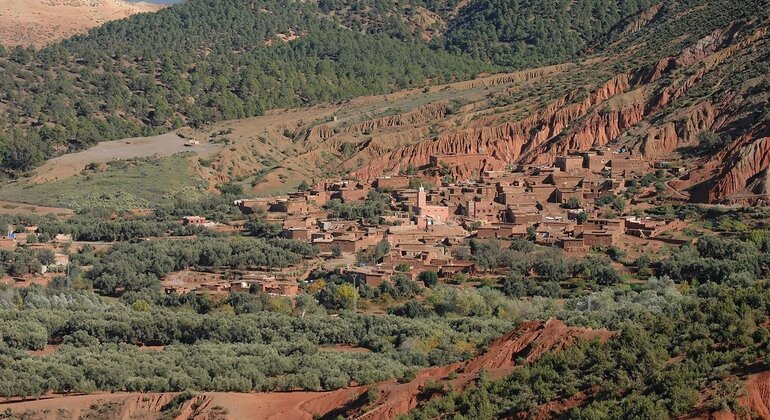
(41, 22)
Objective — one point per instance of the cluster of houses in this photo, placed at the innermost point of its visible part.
(425, 223)
(213, 284)
(26, 237)
(424, 226)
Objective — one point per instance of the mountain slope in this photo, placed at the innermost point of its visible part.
(685, 81)
(203, 61)
(522, 33)
(714, 83)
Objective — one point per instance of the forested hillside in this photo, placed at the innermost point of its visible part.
(196, 62)
(203, 61)
(520, 33)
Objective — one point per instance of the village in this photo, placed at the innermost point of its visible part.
(423, 222)
(427, 227)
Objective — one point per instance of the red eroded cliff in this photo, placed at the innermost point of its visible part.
(647, 109)
(511, 141)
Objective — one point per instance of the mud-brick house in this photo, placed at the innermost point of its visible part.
(564, 194)
(612, 225)
(569, 163)
(254, 205)
(489, 175)
(450, 268)
(294, 205)
(594, 189)
(476, 160)
(406, 199)
(270, 286)
(300, 222)
(351, 191)
(419, 250)
(523, 215)
(482, 210)
(574, 245)
(601, 239)
(240, 286)
(644, 228)
(180, 290)
(299, 228)
(552, 230)
(544, 193)
(511, 188)
(501, 231)
(194, 220)
(396, 218)
(350, 240)
(279, 288)
(595, 162)
(626, 166)
(392, 182)
(482, 191)
(371, 276)
(297, 233)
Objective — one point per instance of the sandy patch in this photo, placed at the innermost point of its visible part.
(72, 164)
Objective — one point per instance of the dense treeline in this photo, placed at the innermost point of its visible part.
(522, 261)
(100, 225)
(226, 352)
(682, 23)
(527, 33)
(399, 19)
(258, 342)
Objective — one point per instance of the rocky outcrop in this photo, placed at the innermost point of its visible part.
(637, 109)
(661, 141)
(757, 399)
(642, 19)
(529, 342)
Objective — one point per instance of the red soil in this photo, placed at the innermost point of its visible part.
(755, 400)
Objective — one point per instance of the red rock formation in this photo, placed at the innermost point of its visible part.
(509, 142)
(530, 341)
